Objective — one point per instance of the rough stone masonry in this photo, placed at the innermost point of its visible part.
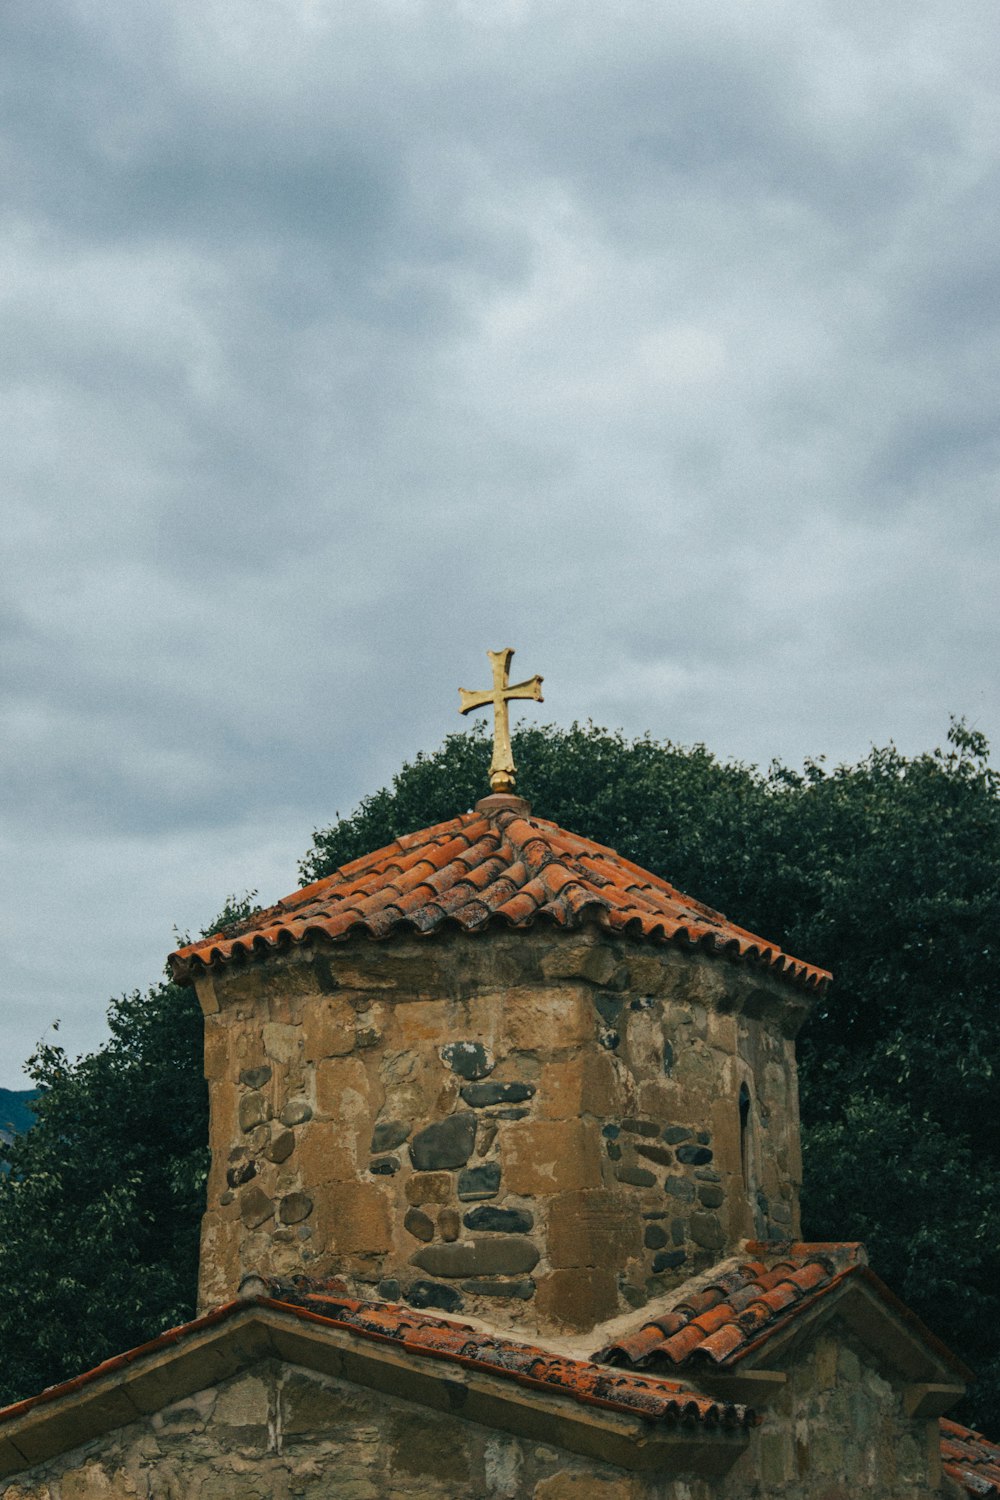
(541, 1129)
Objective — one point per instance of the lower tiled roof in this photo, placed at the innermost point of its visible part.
(651, 1397)
(718, 1319)
(970, 1459)
(726, 1313)
(497, 866)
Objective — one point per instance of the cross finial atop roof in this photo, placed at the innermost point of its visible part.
(502, 764)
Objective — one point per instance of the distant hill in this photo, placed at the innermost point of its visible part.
(15, 1112)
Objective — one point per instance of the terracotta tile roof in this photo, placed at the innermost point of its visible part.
(970, 1459)
(719, 1318)
(494, 866)
(650, 1397)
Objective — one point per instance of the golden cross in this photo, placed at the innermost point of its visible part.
(502, 764)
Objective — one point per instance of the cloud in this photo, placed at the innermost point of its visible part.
(343, 343)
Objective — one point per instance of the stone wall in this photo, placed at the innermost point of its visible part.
(837, 1430)
(279, 1431)
(539, 1128)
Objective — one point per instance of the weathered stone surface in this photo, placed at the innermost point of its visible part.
(255, 1206)
(550, 1156)
(661, 1154)
(449, 1224)
(296, 1112)
(280, 1147)
(242, 1172)
(640, 1127)
(523, 1289)
(574, 1484)
(388, 1134)
(496, 1256)
(537, 1019)
(655, 1237)
(694, 1156)
(584, 1084)
(254, 1110)
(668, 1260)
(479, 1182)
(579, 1297)
(579, 960)
(347, 1092)
(295, 1207)
(469, 1060)
(354, 1218)
(328, 1028)
(323, 1154)
(385, 1166)
(501, 1220)
(593, 1228)
(711, 1196)
(707, 1231)
(282, 1041)
(446, 1143)
(680, 1187)
(419, 1224)
(480, 1095)
(429, 1187)
(434, 1294)
(636, 1176)
(255, 1078)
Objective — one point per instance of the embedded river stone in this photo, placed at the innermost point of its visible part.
(479, 1257)
(479, 1182)
(523, 1289)
(434, 1294)
(419, 1224)
(500, 1220)
(481, 1094)
(694, 1156)
(294, 1208)
(673, 1134)
(446, 1143)
(388, 1134)
(635, 1176)
(255, 1078)
(253, 1111)
(468, 1059)
(295, 1112)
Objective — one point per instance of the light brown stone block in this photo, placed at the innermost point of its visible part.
(550, 1156)
(429, 1187)
(328, 1028)
(582, 1085)
(595, 1228)
(354, 1219)
(580, 1298)
(324, 1155)
(549, 1020)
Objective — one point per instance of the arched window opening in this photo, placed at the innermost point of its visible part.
(745, 1134)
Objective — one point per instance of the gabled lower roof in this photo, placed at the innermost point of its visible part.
(629, 1419)
(495, 866)
(736, 1309)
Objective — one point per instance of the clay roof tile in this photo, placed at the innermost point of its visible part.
(521, 867)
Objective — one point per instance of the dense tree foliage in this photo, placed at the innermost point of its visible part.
(887, 872)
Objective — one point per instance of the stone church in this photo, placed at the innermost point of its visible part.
(504, 1202)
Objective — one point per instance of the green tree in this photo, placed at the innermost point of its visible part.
(100, 1212)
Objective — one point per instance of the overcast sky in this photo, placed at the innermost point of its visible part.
(345, 341)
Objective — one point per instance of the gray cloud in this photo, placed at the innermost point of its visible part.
(342, 343)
